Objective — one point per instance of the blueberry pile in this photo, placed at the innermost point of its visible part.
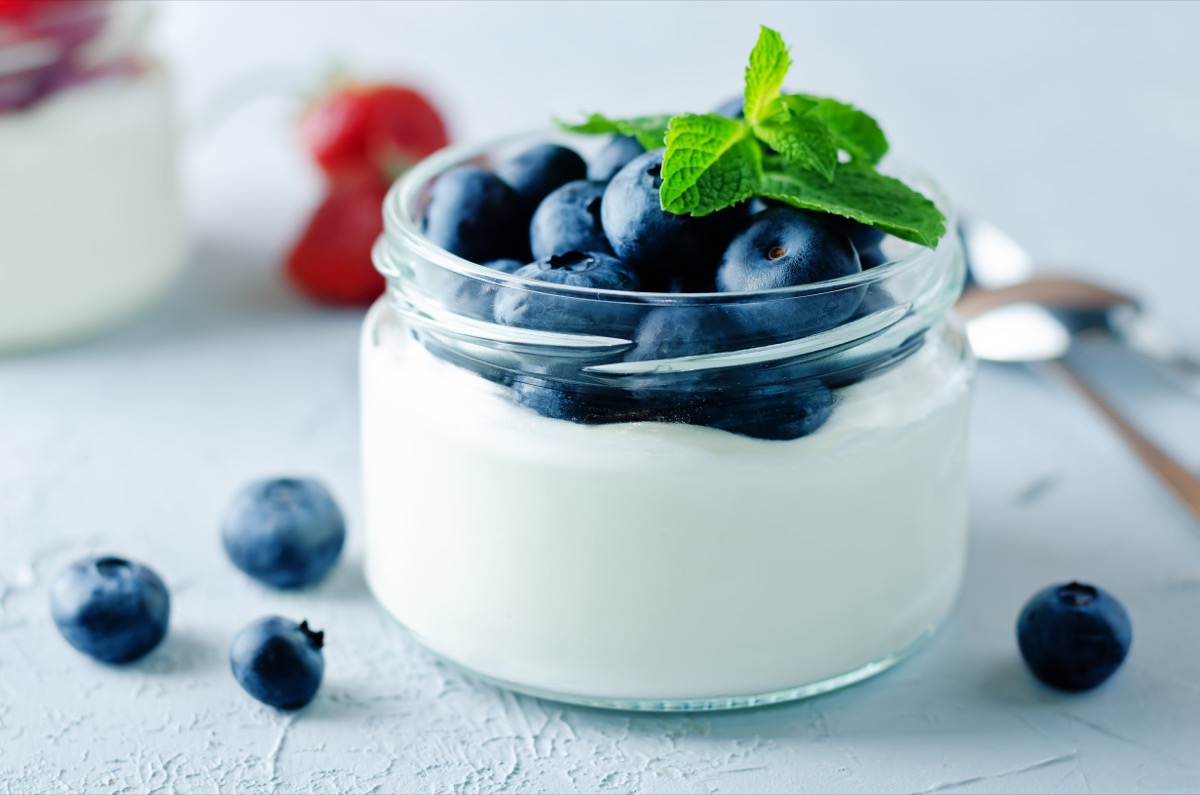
(283, 532)
(548, 215)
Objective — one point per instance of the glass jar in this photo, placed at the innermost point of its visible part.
(659, 500)
(92, 223)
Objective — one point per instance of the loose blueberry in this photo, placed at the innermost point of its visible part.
(786, 247)
(660, 244)
(569, 220)
(1073, 636)
(278, 661)
(613, 157)
(476, 215)
(527, 307)
(536, 172)
(109, 608)
(284, 532)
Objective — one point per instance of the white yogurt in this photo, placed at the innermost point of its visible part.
(652, 561)
(90, 222)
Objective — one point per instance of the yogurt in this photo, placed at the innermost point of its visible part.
(655, 564)
(90, 223)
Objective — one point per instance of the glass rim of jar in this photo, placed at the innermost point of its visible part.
(402, 229)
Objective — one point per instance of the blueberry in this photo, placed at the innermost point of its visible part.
(668, 332)
(592, 405)
(733, 108)
(1073, 636)
(470, 296)
(536, 172)
(505, 265)
(109, 608)
(476, 215)
(661, 245)
(527, 307)
(284, 532)
(569, 220)
(785, 247)
(278, 661)
(866, 240)
(613, 157)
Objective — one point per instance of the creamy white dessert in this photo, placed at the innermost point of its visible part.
(654, 561)
(92, 225)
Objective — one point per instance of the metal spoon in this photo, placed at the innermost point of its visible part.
(999, 269)
(1003, 326)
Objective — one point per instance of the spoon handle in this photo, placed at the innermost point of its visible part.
(1173, 475)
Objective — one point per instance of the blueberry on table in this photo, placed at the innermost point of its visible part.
(661, 245)
(569, 220)
(613, 157)
(278, 661)
(537, 171)
(1073, 636)
(476, 215)
(526, 307)
(110, 608)
(284, 532)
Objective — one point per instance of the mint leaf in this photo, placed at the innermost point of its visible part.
(711, 163)
(648, 130)
(853, 130)
(769, 63)
(800, 138)
(860, 193)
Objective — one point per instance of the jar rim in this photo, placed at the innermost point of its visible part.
(404, 197)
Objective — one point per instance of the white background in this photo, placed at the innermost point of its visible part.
(1074, 126)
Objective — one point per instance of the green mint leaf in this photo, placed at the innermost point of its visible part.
(853, 130)
(800, 138)
(768, 66)
(711, 163)
(861, 193)
(648, 130)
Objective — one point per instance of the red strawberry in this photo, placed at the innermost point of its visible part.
(331, 262)
(381, 129)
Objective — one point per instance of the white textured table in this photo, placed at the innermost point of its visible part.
(1075, 127)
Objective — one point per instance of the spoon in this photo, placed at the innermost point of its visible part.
(999, 272)
(1012, 324)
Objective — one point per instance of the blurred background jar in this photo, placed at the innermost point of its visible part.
(91, 228)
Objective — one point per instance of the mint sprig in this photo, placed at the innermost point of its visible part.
(807, 151)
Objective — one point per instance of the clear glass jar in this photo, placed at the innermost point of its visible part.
(89, 207)
(580, 513)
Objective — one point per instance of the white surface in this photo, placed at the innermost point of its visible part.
(617, 562)
(1073, 126)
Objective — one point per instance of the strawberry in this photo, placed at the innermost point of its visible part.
(17, 10)
(331, 262)
(381, 129)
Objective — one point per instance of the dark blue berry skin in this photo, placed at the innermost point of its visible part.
(613, 157)
(866, 240)
(109, 608)
(284, 532)
(663, 246)
(779, 412)
(733, 108)
(575, 403)
(537, 171)
(569, 220)
(278, 661)
(476, 215)
(1073, 636)
(785, 247)
(567, 313)
(669, 332)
